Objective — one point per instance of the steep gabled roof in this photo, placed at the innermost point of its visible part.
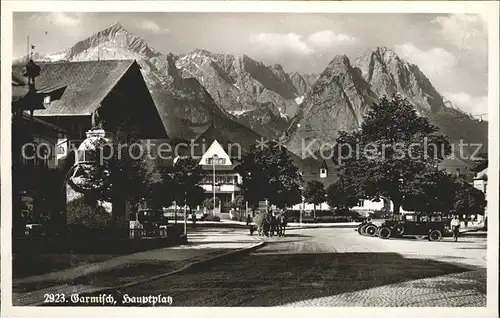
(87, 84)
(480, 166)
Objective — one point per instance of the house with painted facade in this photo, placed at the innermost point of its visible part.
(71, 98)
(481, 180)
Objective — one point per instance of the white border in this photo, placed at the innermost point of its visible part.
(489, 9)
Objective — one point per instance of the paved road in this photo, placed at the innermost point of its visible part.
(336, 267)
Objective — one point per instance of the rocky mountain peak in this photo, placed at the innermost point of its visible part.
(340, 62)
(115, 27)
(388, 74)
(172, 70)
(114, 42)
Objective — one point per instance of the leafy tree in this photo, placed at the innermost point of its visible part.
(195, 197)
(430, 191)
(394, 146)
(121, 175)
(314, 193)
(342, 195)
(238, 202)
(469, 200)
(161, 193)
(269, 173)
(208, 203)
(186, 174)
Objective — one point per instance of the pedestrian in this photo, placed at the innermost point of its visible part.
(248, 219)
(466, 221)
(455, 226)
(193, 218)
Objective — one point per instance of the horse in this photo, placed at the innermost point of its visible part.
(281, 222)
(261, 224)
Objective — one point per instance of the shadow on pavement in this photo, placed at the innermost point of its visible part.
(278, 279)
(134, 271)
(484, 247)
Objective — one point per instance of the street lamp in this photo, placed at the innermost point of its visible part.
(214, 158)
(185, 202)
(185, 212)
(302, 208)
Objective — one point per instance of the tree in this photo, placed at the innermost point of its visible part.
(119, 174)
(161, 192)
(269, 173)
(314, 193)
(431, 191)
(393, 146)
(208, 203)
(469, 200)
(342, 195)
(195, 197)
(186, 174)
(238, 202)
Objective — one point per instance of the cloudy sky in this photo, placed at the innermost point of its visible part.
(450, 49)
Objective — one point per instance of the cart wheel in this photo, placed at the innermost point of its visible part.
(435, 235)
(384, 233)
(371, 230)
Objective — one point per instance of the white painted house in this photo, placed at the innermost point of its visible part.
(219, 176)
(481, 181)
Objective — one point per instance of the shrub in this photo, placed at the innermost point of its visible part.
(321, 213)
(79, 212)
(213, 218)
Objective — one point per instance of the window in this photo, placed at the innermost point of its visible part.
(410, 217)
(435, 218)
(219, 161)
(84, 156)
(322, 173)
(28, 155)
(43, 156)
(424, 218)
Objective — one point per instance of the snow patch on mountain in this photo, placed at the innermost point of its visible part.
(299, 100)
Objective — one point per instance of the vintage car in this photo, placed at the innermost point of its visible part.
(147, 217)
(367, 228)
(432, 226)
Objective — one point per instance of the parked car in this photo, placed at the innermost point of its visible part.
(148, 216)
(34, 230)
(432, 226)
(161, 224)
(367, 228)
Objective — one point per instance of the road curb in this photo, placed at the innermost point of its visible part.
(177, 271)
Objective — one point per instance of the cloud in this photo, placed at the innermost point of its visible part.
(281, 43)
(468, 103)
(65, 19)
(434, 62)
(152, 26)
(296, 43)
(328, 39)
(464, 31)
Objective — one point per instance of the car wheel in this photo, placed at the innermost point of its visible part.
(435, 235)
(398, 229)
(384, 233)
(371, 230)
(361, 229)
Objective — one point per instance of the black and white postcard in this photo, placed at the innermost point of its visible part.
(217, 158)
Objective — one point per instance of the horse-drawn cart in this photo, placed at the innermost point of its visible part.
(267, 224)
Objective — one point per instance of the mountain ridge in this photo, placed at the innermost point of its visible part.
(194, 89)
